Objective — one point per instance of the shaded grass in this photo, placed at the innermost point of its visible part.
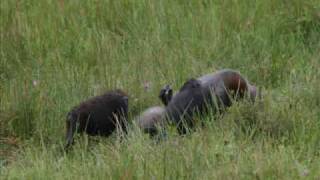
(54, 54)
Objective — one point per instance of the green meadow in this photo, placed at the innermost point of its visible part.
(56, 53)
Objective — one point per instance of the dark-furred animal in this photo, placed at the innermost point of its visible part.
(223, 83)
(190, 99)
(151, 120)
(219, 89)
(100, 115)
(228, 84)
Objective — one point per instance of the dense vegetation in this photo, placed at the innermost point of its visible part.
(54, 54)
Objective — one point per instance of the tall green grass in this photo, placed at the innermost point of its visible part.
(55, 54)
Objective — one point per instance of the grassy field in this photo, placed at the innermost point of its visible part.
(56, 53)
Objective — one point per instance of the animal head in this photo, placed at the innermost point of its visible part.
(166, 94)
(191, 84)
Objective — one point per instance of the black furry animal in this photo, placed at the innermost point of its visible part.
(183, 104)
(190, 99)
(100, 115)
(219, 89)
(224, 84)
(151, 120)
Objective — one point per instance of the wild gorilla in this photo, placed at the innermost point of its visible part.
(219, 88)
(190, 99)
(100, 115)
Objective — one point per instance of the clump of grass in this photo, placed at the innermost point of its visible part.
(22, 121)
(264, 118)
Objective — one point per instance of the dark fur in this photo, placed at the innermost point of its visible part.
(226, 84)
(195, 95)
(189, 100)
(100, 115)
